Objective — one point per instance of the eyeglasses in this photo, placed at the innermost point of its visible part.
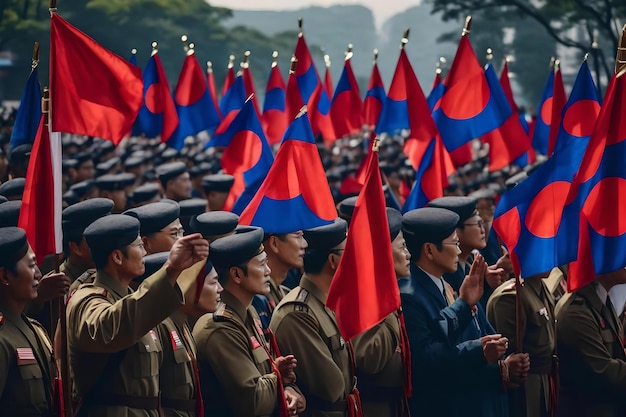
(457, 243)
(479, 223)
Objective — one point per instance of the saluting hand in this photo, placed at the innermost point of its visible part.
(286, 366)
(52, 285)
(473, 285)
(186, 251)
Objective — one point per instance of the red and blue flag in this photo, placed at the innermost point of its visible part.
(530, 218)
(195, 108)
(230, 105)
(346, 107)
(229, 79)
(210, 79)
(295, 194)
(247, 156)
(157, 115)
(471, 104)
(374, 98)
(28, 114)
(274, 120)
(436, 92)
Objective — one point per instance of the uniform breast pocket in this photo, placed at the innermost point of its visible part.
(32, 385)
(149, 356)
(538, 326)
(608, 339)
(260, 355)
(183, 368)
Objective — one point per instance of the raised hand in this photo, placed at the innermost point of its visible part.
(473, 285)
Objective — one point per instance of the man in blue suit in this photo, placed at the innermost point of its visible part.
(452, 374)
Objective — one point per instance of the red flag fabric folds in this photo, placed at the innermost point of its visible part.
(93, 91)
(364, 289)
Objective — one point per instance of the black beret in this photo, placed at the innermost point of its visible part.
(514, 180)
(169, 153)
(394, 218)
(82, 188)
(217, 182)
(106, 146)
(77, 217)
(429, 224)
(70, 197)
(214, 223)
(192, 206)
(13, 188)
(236, 249)
(82, 157)
(328, 236)
(145, 192)
(20, 154)
(133, 161)
(152, 263)
(10, 213)
(104, 167)
(155, 216)
(170, 171)
(345, 209)
(115, 231)
(465, 207)
(113, 182)
(68, 163)
(3, 199)
(483, 193)
(13, 245)
(201, 169)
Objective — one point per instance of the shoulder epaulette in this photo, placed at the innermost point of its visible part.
(92, 289)
(85, 275)
(222, 314)
(303, 295)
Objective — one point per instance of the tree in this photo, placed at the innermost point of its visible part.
(595, 18)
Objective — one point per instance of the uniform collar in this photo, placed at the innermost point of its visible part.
(234, 304)
(107, 281)
(313, 289)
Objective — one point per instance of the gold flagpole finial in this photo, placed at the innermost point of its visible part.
(209, 67)
(184, 40)
(557, 65)
(440, 64)
(552, 61)
(35, 61)
(244, 62)
(292, 65)
(52, 6)
(349, 52)
(154, 48)
(620, 59)
(300, 33)
(375, 55)
(327, 60)
(376, 144)
(438, 69)
(274, 59)
(405, 38)
(231, 61)
(586, 56)
(489, 55)
(594, 40)
(190, 49)
(133, 51)
(467, 27)
(302, 111)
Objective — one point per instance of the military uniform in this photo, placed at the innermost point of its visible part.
(107, 318)
(380, 370)
(73, 271)
(590, 342)
(539, 341)
(235, 369)
(305, 328)
(178, 373)
(26, 367)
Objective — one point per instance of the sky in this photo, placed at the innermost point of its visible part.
(382, 9)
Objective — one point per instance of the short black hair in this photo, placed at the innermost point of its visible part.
(314, 260)
(101, 258)
(224, 272)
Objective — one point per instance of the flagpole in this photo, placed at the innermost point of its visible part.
(66, 386)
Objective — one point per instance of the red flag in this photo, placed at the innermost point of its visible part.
(93, 91)
(328, 80)
(230, 75)
(274, 120)
(558, 103)
(40, 215)
(364, 289)
(374, 98)
(509, 141)
(210, 78)
(248, 82)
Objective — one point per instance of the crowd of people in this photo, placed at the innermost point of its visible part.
(175, 309)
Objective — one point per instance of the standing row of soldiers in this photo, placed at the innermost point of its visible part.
(161, 324)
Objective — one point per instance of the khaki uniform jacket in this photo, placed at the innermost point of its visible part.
(26, 367)
(305, 328)
(539, 330)
(380, 370)
(107, 317)
(177, 374)
(72, 271)
(235, 370)
(592, 359)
